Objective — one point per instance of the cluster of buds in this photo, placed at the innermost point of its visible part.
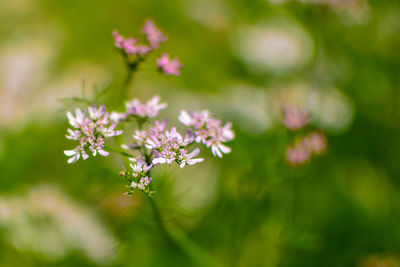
(301, 151)
(208, 130)
(138, 177)
(130, 47)
(90, 131)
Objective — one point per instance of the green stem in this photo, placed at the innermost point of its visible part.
(197, 255)
(123, 153)
(127, 82)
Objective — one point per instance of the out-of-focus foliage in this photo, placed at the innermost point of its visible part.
(339, 59)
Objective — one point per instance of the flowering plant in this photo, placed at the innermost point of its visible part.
(156, 144)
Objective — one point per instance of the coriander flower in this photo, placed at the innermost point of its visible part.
(187, 159)
(154, 35)
(129, 46)
(90, 131)
(134, 108)
(208, 130)
(171, 146)
(169, 67)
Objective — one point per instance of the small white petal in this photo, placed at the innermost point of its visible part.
(103, 153)
(224, 149)
(69, 152)
(185, 118)
(159, 161)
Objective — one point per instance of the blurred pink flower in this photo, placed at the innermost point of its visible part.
(299, 153)
(169, 67)
(154, 35)
(294, 118)
(303, 148)
(129, 46)
(317, 142)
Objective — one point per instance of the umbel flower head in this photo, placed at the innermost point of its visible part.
(130, 47)
(170, 146)
(166, 147)
(169, 67)
(154, 35)
(135, 108)
(208, 130)
(90, 130)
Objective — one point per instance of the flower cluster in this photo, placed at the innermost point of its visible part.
(157, 145)
(154, 36)
(135, 109)
(165, 146)
(208, 130)
(170, 146)
(90, 131)
(303, 148)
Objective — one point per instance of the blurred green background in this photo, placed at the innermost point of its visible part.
(339, 59)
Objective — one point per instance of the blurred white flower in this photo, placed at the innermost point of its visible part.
(276, 46)
(257, 109)
(49, 223)
(215, 14)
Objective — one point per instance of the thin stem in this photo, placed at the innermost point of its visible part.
(196, 254)
(123, 153)
(127, 82)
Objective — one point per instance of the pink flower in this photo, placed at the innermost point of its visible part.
(303, 148)
(299, 153)
(129, 46)
(208, 130)
(316, 142)
(171, 146)
(154, 35)
(90, 132)
(150, 109)
(294, 118)
(119, 39)
(140, 167)
(169, 67)
(187, 159)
